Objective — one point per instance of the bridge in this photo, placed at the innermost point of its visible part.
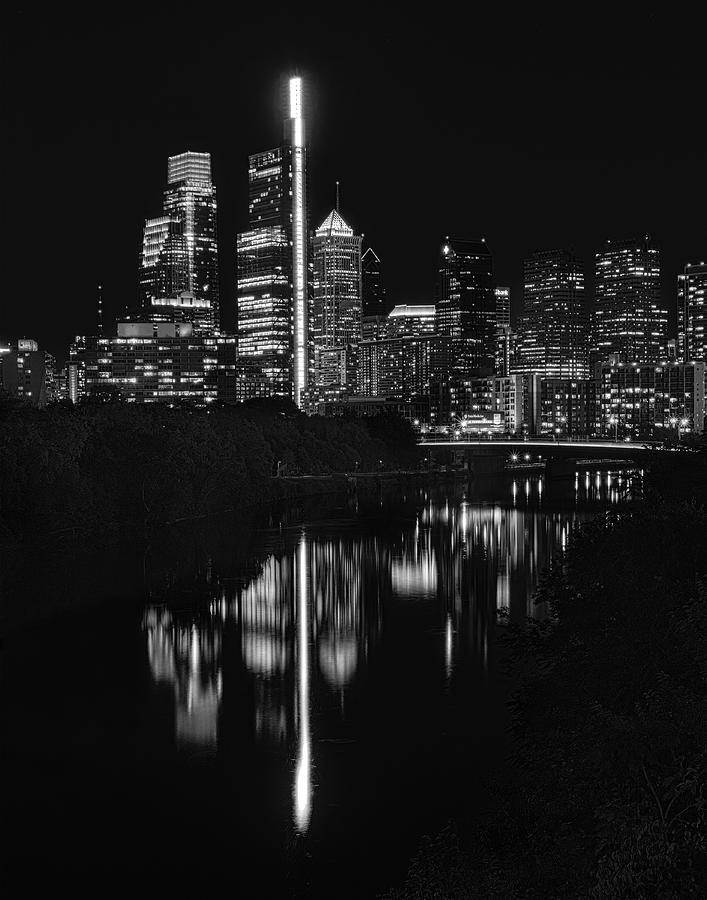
(559, 456)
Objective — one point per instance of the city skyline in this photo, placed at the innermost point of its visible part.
(512, 187)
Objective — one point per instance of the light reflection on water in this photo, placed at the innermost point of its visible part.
(304, 628)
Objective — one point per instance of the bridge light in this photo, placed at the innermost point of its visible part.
(526, 457)
(514, 457)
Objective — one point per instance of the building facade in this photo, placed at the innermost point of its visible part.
(692, 307)
(190, 197)
(466, 306)
(629, 319)
(336, 295)
(163, 260)
(273, 260)
(28, 373)
(164, 362)
(411, 319)
(649, 401)
(553, 333)
(372, 286)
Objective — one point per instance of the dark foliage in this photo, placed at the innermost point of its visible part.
(107, 463)
(606, 792)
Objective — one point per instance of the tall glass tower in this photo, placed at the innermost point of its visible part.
(336, 301)
(553, 335)
(191, 198)
(273, 273)
(372, 287)
(629, 318)
(163, 260)
(467, 306)
(692, 312)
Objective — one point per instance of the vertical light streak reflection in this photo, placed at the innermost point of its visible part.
(303, 773)
(448, 647)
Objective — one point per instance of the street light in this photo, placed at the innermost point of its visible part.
(679, 423)
(614, 420)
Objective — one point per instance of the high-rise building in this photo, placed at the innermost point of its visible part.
(410, 319)
(373, 289)
(553, 335)
(28, 373)
(273, 272)
(163, 260)
(504, 336)
(692, 306)
(179, 256)
(336, 296)
(502, 298)
(191, 198)
(467, 306)
(629, 317)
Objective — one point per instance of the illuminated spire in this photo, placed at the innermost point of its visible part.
(334, 225)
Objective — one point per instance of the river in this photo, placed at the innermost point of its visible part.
(290, 722)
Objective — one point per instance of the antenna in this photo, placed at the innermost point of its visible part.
(100, 309)
(337, 196)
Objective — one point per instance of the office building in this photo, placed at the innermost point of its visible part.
(630, 320)
(273, 270)
(467, 305)
(190, 197)
(28, 373)
(506, 350)
(373, 288)
(163, 260)
(152, 362)
(565, 407)
(179, 255)
(502, 299)
(692, 306)
(336, 296)
(148, 362)
(553, 332)
(495, 404)
(649, 401)
(374, 328)
(335, 374)
(410, 319)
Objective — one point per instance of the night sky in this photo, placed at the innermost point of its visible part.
(529, 131)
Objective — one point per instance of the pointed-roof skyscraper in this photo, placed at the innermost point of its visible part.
(336, 306)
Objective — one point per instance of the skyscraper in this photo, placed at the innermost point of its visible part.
(336, 301)
(273, 288)
(554, 328)
(374, 303)
(178, 277)
(467, 306)
(629, 317)
(692, 306)
(163, 261)
(191, 198)
(504, 337)
(502, 298)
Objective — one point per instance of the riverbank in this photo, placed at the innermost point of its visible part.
(602, 795)
(100, 467)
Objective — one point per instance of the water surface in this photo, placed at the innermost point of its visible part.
(288, 723)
